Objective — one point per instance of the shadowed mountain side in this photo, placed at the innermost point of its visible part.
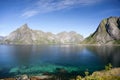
(108, 32)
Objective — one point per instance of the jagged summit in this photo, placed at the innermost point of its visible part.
(25, 35)
(24, 27)
(108, 32)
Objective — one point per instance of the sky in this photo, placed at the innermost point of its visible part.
(81, 16)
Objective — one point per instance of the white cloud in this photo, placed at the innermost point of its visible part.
(44, 6)
(30, 13)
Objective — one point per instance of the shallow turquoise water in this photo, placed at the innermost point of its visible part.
(38, 60)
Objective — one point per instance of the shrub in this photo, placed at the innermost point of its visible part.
(108, 67)
(78, 78)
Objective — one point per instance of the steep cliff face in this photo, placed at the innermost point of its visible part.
(108, 32)
(25, 35)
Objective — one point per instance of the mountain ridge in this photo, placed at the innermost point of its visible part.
(108, 32)
(25, 35)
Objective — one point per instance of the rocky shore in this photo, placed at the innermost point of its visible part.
(113, 74)
(26, 77)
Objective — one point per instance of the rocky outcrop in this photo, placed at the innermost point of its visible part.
(23, 77)
(25, 35)
(108, 32)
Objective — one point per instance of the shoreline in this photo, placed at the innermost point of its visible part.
(113, 73)
(65, 44)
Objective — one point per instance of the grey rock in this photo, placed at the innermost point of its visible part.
(69, 37)
(23, 77)
(25, 35)
(108, 32)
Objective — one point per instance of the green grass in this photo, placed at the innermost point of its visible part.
(116, 42)
(89, 40)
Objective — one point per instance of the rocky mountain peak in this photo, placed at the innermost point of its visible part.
(24, 27)
(112, 27)
(108, 32)
(25, 35)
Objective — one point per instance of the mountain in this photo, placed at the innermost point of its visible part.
(1, 37)
(69, 37)
(108, 32)
(25, 35)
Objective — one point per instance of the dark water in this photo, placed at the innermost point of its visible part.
(37, 60)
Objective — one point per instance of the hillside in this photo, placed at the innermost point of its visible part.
(25, 35)
(108, 32)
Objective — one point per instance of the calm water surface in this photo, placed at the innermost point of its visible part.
(38, 60)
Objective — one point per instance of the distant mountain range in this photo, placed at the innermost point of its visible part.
(108, 32)
(25, 35)
(1, 37)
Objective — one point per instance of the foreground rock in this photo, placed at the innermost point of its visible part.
(108, 32)
(25, 77)
(44, 77)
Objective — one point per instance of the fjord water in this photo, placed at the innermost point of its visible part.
(40, 59)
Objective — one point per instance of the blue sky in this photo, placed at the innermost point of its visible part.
(82, 16)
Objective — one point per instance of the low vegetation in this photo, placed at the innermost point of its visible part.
(107, 74)
(116, 42)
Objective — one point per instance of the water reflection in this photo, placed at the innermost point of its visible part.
(71, 55)
(20, 59)
(108, 54)
(22, 54)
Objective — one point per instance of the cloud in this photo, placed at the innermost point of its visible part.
(30, 13)
(44, 6)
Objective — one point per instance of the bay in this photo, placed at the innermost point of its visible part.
(43, 59)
